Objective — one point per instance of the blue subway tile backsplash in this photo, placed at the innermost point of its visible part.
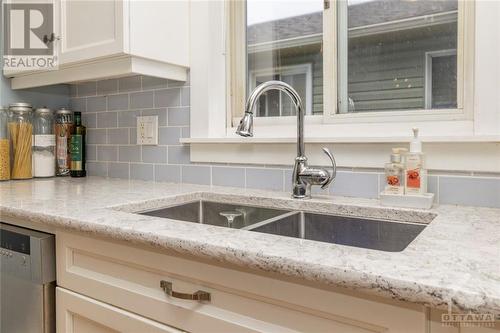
(475, 191)
(110, 108)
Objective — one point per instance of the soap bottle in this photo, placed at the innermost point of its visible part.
(415, 172)
(394, 172)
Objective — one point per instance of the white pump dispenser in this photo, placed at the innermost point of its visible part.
(415, 144)
(415, 172)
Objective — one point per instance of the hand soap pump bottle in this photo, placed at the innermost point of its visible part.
(415, 172)
(394, 173)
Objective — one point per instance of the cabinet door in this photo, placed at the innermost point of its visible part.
(91, 29)
(80, 314)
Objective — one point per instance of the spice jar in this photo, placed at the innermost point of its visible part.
(63, 129)
(4, 146)
(44, 158)
(21, 132)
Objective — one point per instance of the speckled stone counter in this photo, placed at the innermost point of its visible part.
(454, 262)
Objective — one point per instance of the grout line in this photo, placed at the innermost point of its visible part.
(211, 176)
(118, 92)
(283, 180)
(438, 181)
(378, 184)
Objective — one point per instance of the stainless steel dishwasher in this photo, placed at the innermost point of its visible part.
(27, 280)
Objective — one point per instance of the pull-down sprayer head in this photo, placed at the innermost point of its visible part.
(245, 127)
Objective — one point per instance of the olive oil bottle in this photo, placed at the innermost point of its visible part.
(78, 148)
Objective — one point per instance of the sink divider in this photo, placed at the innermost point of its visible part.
(270, 220)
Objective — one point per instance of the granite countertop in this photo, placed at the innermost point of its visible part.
(454, 262)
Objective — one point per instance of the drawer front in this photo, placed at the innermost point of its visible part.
(131, 278)
(80, 314)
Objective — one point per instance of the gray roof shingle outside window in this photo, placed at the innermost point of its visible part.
(361, 14)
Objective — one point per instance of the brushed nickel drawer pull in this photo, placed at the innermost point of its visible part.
(200, 295)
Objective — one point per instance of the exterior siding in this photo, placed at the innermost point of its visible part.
(387, 72)
(282, 58)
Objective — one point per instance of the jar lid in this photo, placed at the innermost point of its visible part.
(63, 111)
(20, 107)
(43, 110)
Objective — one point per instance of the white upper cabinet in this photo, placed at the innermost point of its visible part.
(160, 26)
(91, 29)
(96, 39)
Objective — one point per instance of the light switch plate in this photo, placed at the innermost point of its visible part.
(147, 130)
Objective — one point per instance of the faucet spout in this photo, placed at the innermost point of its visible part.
(303, 175)
(245, 128)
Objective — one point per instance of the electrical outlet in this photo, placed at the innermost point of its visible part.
(147, 130)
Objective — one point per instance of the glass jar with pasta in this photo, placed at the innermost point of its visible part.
(4, 146)
(21, 138)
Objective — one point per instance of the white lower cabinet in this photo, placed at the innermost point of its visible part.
(80, 314)
(104, 276)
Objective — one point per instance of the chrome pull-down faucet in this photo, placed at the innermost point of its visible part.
(303, 176)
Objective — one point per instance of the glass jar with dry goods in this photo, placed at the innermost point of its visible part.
(63, 130)
(21, 136)
(4, 145)
(44, 148)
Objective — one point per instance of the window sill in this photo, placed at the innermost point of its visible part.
(407, 139)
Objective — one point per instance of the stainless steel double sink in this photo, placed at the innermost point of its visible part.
(366, 233)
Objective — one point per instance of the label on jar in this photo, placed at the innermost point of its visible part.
(45, 140)
(62, 152)
(63, 132)
(76, 152)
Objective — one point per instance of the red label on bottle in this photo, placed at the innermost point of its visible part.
(413, 178)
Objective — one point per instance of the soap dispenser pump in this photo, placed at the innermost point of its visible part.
(415, 144)
(394, 172)
(415, 172)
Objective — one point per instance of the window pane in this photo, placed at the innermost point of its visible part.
(444, 82)
(385, 62)
(284, 43)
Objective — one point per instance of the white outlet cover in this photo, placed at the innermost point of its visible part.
(147, 130)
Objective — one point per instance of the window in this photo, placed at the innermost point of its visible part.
(359, 138)
(360, 57)
(441, 79)
(276, 104)
(283, 42)
(382, 45)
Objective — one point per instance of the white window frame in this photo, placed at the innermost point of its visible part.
(287, 70)
(331, 115)
(429, 56)
(356, 142)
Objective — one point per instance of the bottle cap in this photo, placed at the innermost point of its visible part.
(63, 111)
(43, 110)
(20, 107)
(415, 144)
(396, 154)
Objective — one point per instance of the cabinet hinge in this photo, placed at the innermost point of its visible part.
(326, 4)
